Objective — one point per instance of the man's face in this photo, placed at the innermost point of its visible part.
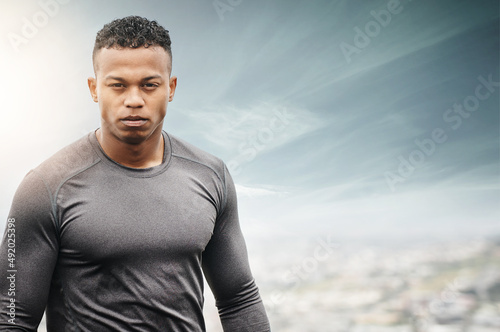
(133, 88)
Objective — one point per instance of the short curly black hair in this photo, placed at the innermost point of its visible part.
(133, 32)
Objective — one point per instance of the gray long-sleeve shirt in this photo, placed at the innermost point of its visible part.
(104, 247)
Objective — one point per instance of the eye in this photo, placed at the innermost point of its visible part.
(150, 86)
(117, 85)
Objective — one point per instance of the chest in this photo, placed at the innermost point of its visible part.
(120, 218)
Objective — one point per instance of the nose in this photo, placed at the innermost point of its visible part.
(134, 98)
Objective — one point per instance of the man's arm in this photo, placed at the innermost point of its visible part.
(226, 267)
(28, 255)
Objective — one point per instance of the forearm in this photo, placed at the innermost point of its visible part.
(245, 312)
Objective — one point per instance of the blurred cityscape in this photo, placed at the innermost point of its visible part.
(439, 287)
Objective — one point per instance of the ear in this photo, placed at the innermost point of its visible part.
(173, 85)
(92, 82)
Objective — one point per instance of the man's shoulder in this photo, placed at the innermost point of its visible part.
(68, 161)
(187, 151)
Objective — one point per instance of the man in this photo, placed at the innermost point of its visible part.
(115, 232)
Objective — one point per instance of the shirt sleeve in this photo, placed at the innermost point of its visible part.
(28, 254)
(226, 268)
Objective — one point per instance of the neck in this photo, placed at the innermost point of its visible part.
(145, 154)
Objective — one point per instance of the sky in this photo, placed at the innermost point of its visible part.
(360, 120)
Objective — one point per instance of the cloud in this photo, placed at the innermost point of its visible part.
(432, 211)
(264, 126)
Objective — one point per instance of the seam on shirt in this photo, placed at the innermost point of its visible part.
(15, 328)
(71, 318)
(54, 220)
(223, 181)
(54, 202)
(200, 163)
(69, 315)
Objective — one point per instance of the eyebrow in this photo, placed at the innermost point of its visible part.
(116, 78)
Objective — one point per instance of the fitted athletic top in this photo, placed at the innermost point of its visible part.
(105, 247)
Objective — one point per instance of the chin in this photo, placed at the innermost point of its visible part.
(133, 137)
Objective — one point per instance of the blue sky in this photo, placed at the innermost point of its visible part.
(366, 143)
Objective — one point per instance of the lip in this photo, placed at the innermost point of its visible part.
(134, 121)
